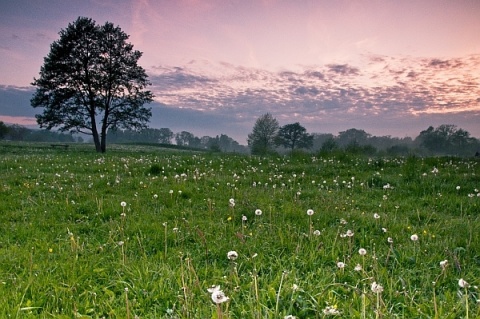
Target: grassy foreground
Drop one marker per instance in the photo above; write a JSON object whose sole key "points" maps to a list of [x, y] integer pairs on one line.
{"points": [[144, 233]]}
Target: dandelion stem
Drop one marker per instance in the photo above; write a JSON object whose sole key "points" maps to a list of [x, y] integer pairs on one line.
{"points": [[278, 294]]}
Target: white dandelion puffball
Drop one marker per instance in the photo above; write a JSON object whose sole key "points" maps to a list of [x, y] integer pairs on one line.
{"points": [[462, 283], [414, 237], [310, 212], [341, 265], [123, 204], [444, 264], [362, 251], [218, 297], [232, 255], [376, 288], [258, 212]]}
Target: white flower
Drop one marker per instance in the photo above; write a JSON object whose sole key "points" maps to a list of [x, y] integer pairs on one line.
{"points": [[358, 267], [213, 288], [218, 296], [310, 212], [258, 212], [414, 237], [330, 311], [376, 216], [244, 218], [341, 265], [295, 287], [349, 233], [462, 283], [289, 317], [376, 288], [390, 240], [232, 255], [444, 264], [316, 232], [457, 188], [123, 204], [362, 251]]}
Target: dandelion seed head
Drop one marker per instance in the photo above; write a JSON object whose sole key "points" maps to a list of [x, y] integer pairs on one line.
{"points": [[376, 288], [219, 297], [232, 255], [462, 283]]}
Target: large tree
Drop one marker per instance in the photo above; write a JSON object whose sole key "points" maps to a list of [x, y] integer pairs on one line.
{"points": [[262, 138], [294, 136], [91, 82]]}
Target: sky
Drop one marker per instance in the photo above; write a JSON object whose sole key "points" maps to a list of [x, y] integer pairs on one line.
{"points": [[391, 68]]}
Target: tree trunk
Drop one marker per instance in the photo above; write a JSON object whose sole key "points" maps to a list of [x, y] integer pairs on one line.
{"points": [[104, 141], [96, 138]]}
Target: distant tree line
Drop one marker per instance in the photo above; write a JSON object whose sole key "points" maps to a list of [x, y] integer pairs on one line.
{"points": [[20, 133], [268, 136], [220, 143]]}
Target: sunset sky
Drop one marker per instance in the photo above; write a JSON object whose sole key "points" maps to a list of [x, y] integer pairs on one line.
{"points": [[387, 67]]}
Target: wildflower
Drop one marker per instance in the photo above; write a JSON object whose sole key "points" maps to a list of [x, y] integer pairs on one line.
{"points": [[295, 287], [310, 212], [289, 317], [376, 216], [218, 296], [316, 232], [155, 196], [414, 237], [376, 288], [444, 264], [457, 188], [244, 218], [329, 310], [231, 202], [462, 283], [358, 267], [232, 255], [258, 212], [362, 251], [349, 233], [123, 204], [341, 265], [390, 240]]}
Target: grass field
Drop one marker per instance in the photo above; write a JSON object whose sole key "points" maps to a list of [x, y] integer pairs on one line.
{"points": [[142, 232]]}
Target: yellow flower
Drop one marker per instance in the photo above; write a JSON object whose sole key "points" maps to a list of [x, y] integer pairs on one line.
{"points": [[50, 250], [229, 218]]}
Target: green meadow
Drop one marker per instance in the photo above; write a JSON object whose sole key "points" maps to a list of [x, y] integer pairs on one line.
{"points": [[144, 232]]}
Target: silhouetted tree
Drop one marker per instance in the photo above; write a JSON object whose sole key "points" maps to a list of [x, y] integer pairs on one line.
{"points": [[447, 139], [294, 136], [352, 135], [262, 138], [92, 74], [166, 136], [3, 130]]}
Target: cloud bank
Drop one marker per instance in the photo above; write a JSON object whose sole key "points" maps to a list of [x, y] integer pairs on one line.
{"points": [[384, 96]]}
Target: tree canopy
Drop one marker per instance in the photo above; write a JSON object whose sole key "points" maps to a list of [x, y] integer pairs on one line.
{"points": [[294, 136], [91, 82], [262, 138]]}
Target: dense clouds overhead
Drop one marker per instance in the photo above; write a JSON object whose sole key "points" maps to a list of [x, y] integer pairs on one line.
{"points": [[216, 66]]}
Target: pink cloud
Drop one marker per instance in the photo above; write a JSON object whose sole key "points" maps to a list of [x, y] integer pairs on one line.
{"points": [[20, 120]]}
